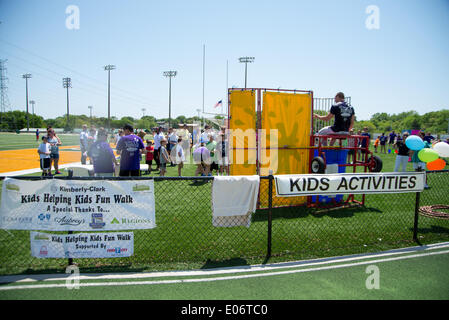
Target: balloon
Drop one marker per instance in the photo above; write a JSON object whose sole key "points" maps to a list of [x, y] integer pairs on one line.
{"points": [[389, 150], [442, 148], [427, 155], [414, 143], [396, 151], [438, 164]]}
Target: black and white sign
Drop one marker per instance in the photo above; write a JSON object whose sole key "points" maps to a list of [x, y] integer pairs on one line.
{"points": [[348, 183]]}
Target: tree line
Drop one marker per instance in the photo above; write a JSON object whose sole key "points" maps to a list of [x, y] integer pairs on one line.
{"points": [[16, 120], [436, 122]]}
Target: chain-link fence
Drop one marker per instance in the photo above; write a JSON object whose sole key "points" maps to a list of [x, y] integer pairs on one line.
{"points": [[187, 234]]}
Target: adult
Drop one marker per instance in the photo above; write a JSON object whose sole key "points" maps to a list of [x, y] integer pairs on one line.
{"points": [[130, 148], [91, 138], [392, 136], [428, 137], [365, 142], [212, 146], [84, 137], [222, 150], [403, 154], [343, 114], [419, 165], [157, 146], [201, 156], [102, 155], [54, 142], [383, 142]]}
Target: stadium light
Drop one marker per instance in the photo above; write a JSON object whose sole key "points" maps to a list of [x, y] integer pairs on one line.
{"points": [[169, 75], [246, 60]]}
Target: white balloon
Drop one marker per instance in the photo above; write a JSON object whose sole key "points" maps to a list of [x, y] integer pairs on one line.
{"points": [[442, 148]]}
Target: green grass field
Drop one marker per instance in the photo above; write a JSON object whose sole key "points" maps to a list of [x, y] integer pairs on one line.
{"points": [[185, 238]]}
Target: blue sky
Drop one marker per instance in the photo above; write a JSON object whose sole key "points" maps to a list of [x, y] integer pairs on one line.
{"points": [[323, 46]]}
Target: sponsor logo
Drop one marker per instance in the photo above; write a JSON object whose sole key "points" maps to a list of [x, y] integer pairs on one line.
{"points": [[141, 187], [12, 187], [41, 236], [97, 221], [115, 221], [44, 218], [17, 219], [69, 221], [43, 251], [117, 250]]}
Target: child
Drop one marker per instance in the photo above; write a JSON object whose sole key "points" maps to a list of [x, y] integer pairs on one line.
{"points": [[44, 154], [180, 158], [164, 157], [149, 151], [376, 144]]}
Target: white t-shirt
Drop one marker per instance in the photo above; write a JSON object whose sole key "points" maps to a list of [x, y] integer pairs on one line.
{"points": [[44, 147], [157, 140], [179, 151], [173, 138]]}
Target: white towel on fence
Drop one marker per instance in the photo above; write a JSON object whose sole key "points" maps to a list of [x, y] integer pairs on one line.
{"points": [[234, 199]]}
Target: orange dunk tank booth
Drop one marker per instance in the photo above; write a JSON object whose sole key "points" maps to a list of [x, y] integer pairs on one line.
{"points": [[270, 132]]}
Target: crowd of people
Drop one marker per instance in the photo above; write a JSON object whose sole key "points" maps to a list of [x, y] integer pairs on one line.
{"points": [[170, 148]]}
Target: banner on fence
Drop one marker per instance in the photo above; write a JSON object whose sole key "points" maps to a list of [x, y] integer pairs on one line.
{"points": [[77, 205], [348, 183], [82, 245]]}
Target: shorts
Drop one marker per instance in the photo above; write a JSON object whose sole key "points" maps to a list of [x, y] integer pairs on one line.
{"points": [[149, 162], [351, 152], [213, 166], [163, 166], [54, 155], [45, 163], [419, 165], [129, 173]]}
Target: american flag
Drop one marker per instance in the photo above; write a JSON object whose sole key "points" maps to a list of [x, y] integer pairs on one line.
{"points": [[218, 103]]}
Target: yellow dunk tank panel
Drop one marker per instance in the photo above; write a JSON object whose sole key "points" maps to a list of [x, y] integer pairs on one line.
{"points": [[283, 141]]}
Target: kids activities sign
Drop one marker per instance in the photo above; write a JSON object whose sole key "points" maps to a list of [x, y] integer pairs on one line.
{"points": [[75, 205], [348, 183], [82, 245]]}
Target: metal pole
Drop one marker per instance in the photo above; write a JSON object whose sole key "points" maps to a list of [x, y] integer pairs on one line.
{"points": [[270, 207], [246, 70], [415, 225], [169, 102], [109, 99], [204, 75], [68, 119], [26, 86]]}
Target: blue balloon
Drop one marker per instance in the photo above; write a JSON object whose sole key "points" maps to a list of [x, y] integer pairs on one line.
{"points": [[414, 143]]}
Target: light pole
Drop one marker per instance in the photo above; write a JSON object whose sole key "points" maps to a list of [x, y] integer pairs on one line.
{"points": [[67, 83], [143, 112], [26, 77], [246, 60], [32, 102], [90, 107], [108, 68], [169, 75]]}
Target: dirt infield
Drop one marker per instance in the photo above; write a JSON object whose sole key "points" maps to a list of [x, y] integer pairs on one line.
{"points": [[23, 159]]}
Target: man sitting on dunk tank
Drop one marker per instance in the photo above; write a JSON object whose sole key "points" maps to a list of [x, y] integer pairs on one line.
{"points": [[344, 119]]}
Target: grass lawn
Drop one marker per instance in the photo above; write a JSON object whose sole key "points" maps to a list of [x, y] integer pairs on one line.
{"points": [[185, 237]]}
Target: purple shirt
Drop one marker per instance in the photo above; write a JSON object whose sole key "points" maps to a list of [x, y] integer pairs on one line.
{"points": [[129, 152], [102, 155]]}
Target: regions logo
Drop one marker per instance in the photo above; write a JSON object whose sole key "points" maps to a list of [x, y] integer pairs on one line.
{"points": [[115, 221], [97, 221]]}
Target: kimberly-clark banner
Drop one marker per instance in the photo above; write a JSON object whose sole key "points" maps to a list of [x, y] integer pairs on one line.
{"points": [[77, 205], [82, 245], [348, 183]]}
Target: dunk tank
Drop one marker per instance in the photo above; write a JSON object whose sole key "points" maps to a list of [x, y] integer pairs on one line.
{"points": [[272, 132]]}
